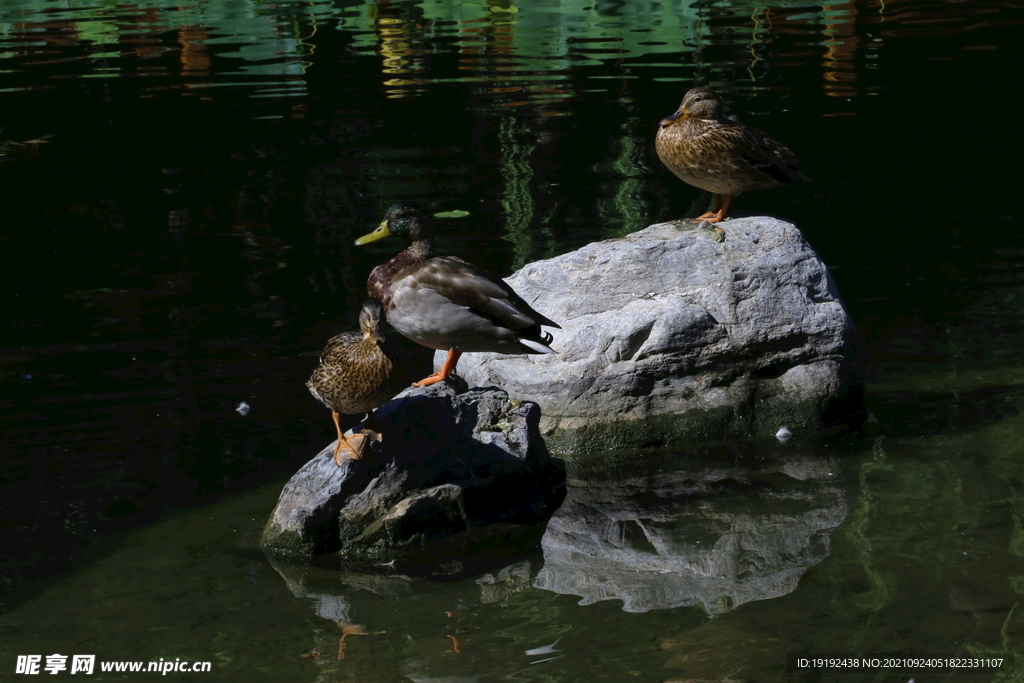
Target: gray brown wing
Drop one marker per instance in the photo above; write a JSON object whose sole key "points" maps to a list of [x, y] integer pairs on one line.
{"points": [[758, 151], [770, 156], [467, 285]]}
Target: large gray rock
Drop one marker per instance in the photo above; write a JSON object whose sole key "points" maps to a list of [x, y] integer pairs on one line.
{"points": [[449, 464], [673, 334]]}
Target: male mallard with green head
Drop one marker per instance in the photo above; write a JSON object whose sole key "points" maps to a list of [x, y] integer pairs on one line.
{"points": [[356, 375], [445, 303], [713, 153]]}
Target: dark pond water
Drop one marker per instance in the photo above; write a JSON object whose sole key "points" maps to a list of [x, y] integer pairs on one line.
{"points": [[182, 185]]}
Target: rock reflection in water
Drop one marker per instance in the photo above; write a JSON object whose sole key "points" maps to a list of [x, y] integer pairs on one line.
{"points": [[699, 532]]}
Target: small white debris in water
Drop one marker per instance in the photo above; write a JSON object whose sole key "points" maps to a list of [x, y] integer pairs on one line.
{"points": [[783, 435], [243, 409], [543, 650]]}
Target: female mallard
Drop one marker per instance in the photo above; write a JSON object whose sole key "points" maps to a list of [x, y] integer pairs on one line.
{"points": [[356, 375], [445, 303], [719, 155]]}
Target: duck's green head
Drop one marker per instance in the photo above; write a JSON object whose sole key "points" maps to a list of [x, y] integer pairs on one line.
{"points": [[403, 219]]}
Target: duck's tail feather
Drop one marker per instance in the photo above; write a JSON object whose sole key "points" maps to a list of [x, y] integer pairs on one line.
{"points": [[539, 347]]}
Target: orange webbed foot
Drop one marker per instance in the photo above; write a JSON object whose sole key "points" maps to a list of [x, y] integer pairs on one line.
{"points": [[355, 446], [450, 362], [722, 203], [432, 379]]}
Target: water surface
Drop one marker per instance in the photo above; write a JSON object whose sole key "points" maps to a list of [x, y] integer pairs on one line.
{"points": [[183, 185]]}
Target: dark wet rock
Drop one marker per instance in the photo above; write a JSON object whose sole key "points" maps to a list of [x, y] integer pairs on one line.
{"points": [[455, 474], [704, 531], [670, 335]]}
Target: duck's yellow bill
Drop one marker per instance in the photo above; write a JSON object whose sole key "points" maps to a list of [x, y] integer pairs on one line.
{"points": [[380, 233]]}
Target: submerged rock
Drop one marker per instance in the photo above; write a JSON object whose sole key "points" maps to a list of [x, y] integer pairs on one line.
{"points": [[449, 463], [672, 334]]}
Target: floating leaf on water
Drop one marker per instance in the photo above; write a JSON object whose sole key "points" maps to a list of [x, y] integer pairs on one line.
{"points": [[458, 213]]}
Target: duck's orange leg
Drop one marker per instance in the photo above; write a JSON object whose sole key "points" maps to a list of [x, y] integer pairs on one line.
{"points": [[355, 444], [441, 375], [718, 215], [722, 209], [342, 443]]}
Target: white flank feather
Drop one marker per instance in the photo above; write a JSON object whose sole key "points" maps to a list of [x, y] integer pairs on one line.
{"points": [[537, 346]]}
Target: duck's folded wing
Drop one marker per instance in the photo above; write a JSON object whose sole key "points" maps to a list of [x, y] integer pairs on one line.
{"points": [[464, 284], [769, 156]]}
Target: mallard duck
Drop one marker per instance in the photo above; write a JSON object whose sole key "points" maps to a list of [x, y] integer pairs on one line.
{"points": [[356, 375], [445, 303], [719, 155]]}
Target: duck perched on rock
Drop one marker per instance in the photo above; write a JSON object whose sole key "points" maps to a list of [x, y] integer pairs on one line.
{"points": [[356, 375], [445, 303], [713, 153]]}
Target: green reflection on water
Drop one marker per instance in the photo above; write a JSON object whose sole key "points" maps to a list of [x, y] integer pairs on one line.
{"points": [[517, 198], [624, 204], [271, 38], [262, 35]]}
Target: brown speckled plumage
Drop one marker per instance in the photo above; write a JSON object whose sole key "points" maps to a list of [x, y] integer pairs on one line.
{"points": [[721, 156], [357, 373], [445, 303]]}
